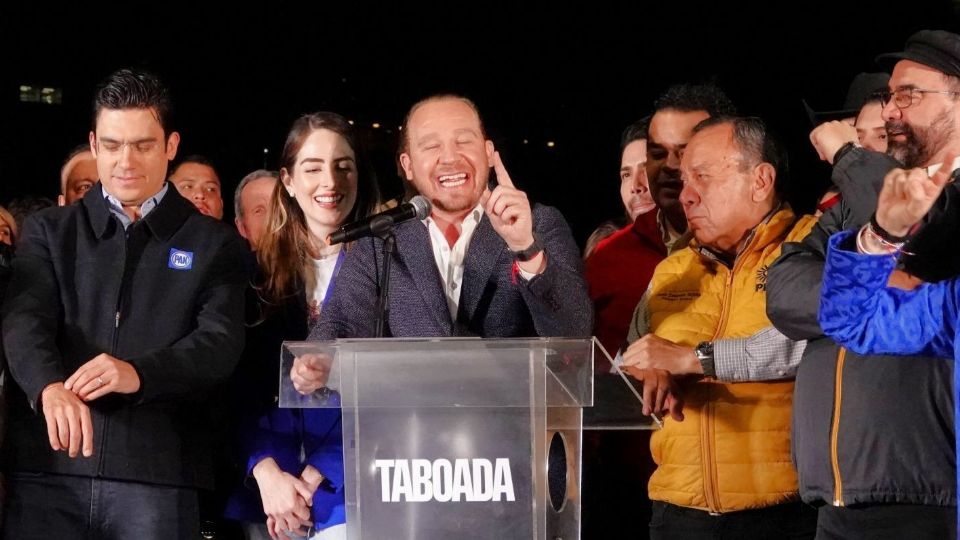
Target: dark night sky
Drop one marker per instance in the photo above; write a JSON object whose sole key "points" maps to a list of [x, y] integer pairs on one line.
{"points": [[575, 75]]}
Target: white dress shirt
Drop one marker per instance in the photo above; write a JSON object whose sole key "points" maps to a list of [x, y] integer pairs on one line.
{"points": [[450, 259]]}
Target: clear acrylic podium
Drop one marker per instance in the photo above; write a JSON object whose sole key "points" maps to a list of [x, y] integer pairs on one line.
{"points": [[456, 438]]}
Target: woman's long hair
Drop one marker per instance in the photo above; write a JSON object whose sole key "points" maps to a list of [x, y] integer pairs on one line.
{"points": [[284, 250]]}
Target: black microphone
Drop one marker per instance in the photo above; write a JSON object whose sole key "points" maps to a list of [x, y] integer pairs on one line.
{"points": [[377, 224]]}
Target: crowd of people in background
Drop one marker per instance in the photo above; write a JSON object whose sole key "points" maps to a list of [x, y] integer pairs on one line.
{"points": [[803, 364]]}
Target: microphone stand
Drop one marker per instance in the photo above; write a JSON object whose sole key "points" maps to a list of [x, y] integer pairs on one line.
{"points": [[384, 231]]}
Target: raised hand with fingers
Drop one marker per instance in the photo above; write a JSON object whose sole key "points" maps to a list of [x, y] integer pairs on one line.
{"points": [[102, 375], [511, 216], [907, 196]]}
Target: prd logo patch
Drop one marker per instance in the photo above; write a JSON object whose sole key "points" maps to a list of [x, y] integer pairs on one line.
{"points": [[180, 260]]}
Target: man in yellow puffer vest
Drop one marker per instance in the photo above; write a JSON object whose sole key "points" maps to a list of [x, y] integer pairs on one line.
{"points": [[725, 470]]}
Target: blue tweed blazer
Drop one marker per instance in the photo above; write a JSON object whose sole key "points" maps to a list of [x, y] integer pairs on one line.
{"points": [[494, 301]]}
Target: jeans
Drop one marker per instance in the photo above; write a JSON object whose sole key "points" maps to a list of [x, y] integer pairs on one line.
{"points": [[43, 506]]}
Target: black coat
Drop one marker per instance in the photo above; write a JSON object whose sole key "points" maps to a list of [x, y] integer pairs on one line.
{"points": [[82, 287]]}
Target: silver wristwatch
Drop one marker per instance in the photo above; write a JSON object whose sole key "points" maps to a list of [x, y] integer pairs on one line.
{"points": [[704, 352]]}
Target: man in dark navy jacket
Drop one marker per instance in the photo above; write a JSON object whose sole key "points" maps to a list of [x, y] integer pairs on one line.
{"points": [[123, 312]]}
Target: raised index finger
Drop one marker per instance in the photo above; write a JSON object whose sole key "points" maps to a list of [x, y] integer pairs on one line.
{"points": [[503, 177], [943, 174]]}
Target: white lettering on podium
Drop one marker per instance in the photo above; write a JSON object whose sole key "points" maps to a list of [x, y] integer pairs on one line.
{"points": [[503, 481], [462, 482], [466, 480], [384, 466], [422, 488], [443, 480], [401, 480]]}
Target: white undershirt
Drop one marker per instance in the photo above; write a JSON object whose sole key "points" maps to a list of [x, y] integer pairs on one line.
{"points": [[317, 291], [450, 261]]}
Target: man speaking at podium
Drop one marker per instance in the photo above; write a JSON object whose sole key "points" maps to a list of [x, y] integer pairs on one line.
{"points": [[484, 262]]}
